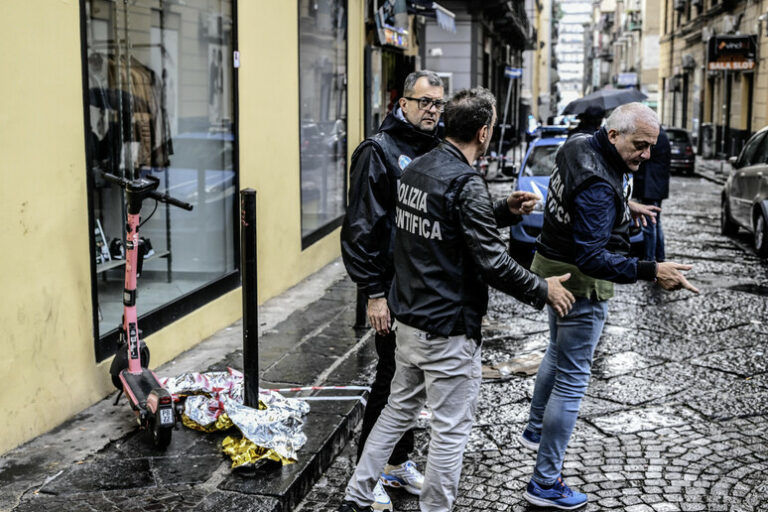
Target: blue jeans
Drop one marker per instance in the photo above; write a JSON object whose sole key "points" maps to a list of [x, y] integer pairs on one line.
{"points": [[653, 236], [562, 381]]}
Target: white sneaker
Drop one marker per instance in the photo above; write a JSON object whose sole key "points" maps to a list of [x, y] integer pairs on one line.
{"points": [[381, 499], [405, 476]]}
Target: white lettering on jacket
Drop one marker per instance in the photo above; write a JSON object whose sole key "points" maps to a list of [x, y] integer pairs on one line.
{"points": [[555, 198], [413, 222]]}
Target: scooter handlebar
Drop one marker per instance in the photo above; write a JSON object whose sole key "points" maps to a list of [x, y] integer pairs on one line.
{"points": [[115, 179], [163, 198]]}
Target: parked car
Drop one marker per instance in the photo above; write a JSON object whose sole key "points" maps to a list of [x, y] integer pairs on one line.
{"points": [[533, 176], [681, 146], [744, 201]]}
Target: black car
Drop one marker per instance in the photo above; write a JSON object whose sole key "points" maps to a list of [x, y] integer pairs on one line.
{"points": [[745, 194], [681, 146]]}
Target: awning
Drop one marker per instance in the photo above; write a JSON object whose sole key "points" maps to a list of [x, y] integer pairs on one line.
{"points": [[445, 18]]}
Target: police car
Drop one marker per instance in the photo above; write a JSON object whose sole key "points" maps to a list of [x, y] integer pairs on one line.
{"points": [[533, 176]]}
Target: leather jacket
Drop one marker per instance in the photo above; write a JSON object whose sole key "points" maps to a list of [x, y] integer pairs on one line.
{"points": [[448, 248]]}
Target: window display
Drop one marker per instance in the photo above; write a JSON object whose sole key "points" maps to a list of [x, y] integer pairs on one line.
{"points": [[160, 103], [323, 115]]}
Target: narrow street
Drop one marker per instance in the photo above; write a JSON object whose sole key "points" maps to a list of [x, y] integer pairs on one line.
{"points": [[675, 415]]}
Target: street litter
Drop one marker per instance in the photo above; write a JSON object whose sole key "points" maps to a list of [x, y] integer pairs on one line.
{"points": [[527, 364], [214, 401]]}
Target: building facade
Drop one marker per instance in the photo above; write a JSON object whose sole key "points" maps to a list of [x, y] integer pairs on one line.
{"points": [[572, 27], [625, 46], [490, 37], [712, 71], [207, 97], [540, 61]]}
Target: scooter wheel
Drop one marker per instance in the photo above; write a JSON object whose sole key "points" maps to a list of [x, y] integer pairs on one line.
{"points": [[161, 436]]}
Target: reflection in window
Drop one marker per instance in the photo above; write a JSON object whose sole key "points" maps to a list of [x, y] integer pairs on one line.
{"points": [[160, 103], [750, 155], [323, 114]]}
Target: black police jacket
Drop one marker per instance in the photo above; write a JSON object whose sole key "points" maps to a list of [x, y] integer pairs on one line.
{"points": [[579, 163], [368, 228], [448, 248], [652, 179]]}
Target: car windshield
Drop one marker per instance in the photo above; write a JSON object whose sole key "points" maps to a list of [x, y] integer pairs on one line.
{"points": [[541, 161], [678, 136]]}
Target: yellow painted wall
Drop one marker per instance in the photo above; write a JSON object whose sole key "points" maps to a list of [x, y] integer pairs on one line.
{"points": [[45, 309], [269, 135], [48, 367]]}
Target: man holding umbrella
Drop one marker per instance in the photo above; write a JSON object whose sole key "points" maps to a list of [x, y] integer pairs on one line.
{"points": [[589, 121]]}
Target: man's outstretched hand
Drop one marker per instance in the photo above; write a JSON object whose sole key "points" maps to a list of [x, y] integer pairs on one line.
{"points": [[558, 297], [669, 277], [641, 211], [522, 203]]}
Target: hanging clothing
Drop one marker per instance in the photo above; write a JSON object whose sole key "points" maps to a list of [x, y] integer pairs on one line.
{"points": [[148, 120]]}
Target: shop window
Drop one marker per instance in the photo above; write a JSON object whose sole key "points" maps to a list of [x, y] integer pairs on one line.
{"points": [[160, 103], [323, 115]]}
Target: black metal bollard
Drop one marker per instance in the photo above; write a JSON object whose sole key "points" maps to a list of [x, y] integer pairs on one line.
{"points": [[248, 277]]}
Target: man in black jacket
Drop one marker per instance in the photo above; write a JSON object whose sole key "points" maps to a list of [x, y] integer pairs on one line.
{"points": [[651, 186], [447, 247], [586, 233], [589, 121], [366, 244]]}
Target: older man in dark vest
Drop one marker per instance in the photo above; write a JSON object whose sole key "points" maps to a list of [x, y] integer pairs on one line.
{"points": [[587, 218]]}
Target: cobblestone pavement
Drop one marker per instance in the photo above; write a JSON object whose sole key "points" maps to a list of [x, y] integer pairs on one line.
{"points": [[675, 415]]}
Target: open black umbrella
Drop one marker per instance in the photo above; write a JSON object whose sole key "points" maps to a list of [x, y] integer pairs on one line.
{"points": [[605, 99]]}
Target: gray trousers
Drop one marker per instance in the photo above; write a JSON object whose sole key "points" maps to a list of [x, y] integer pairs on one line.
{"points": [[446, 373]]}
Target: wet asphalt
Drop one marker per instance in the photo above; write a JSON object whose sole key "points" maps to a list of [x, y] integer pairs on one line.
{"points": [[675, 414]]}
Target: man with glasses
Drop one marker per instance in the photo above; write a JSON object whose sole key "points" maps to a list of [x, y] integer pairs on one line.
{"points": [[586, 233], [366, 246], [447, 250]]}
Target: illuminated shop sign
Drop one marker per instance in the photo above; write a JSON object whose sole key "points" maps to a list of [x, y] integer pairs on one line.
{"points": [[391, 23], [731, 53], [394, 37]]}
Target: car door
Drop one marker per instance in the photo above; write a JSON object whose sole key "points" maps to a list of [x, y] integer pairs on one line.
{"points": [[745, 180], [758, 179]]}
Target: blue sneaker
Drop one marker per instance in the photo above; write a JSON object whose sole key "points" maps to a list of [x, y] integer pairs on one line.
{"points": [[558, 496], [530, 439]]}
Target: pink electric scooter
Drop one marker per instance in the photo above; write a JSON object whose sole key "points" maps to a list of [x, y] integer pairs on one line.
{"points": [[151, 402]]}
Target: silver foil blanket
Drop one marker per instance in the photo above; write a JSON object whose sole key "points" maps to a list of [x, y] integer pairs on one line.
{"points": [[215, 402]]}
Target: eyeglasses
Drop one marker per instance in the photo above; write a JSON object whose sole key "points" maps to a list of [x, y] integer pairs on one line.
{"points": [[426, 103]]}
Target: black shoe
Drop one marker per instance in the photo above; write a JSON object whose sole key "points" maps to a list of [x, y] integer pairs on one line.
{"points": [[148, 251], [351, 506], [116, 249]]}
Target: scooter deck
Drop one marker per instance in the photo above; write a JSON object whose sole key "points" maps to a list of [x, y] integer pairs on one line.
{"points": [[139, 386]]}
